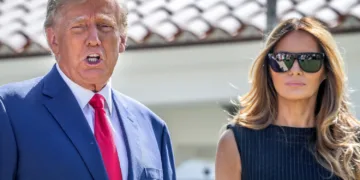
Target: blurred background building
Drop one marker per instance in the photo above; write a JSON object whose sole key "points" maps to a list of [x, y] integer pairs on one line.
{"points": [[186, 59]]}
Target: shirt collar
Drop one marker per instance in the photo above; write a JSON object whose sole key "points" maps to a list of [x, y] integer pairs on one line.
{"points": [[83, 96]]}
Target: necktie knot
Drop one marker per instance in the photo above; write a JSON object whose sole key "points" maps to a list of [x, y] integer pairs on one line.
{"points": [[97, 101]]}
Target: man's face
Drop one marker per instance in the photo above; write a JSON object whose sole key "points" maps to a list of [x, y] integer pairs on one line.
{"points": [[86, 40]]}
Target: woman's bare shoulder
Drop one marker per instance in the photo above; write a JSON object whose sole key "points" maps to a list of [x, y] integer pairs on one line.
{"points": [[228, 165]]}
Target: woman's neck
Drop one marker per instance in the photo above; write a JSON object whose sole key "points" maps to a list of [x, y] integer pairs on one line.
{"points": [[296, 113]]}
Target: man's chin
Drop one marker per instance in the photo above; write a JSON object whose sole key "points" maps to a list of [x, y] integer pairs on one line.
{"points": [[94, 74], [94, 82]]}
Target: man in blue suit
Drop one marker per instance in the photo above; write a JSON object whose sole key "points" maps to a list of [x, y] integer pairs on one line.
{"points": [[70, 124]]}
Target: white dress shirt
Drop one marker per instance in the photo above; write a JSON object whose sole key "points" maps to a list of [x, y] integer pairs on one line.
{"points": [[83, 97]]}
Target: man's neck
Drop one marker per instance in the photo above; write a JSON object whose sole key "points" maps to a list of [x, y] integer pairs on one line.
{"points": [[92, 87]]}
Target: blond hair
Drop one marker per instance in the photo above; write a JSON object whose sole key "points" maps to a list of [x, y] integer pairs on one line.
{"points": [[53, 6], [337, 146]]}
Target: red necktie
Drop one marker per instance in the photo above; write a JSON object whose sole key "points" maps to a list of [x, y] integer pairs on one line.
{"points": [[105, 139]]}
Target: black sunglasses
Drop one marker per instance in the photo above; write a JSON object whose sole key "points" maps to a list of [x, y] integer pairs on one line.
{"points": [[308, 61]]}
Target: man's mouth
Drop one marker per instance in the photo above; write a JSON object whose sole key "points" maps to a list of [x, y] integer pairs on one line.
{"points": [[93, 59]]}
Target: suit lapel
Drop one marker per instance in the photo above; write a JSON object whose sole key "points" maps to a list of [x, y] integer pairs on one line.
{"points": [[130, 131], [65, 109]]}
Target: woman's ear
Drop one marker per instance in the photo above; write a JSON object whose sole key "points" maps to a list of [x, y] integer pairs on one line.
{"points": [[324, 78]]}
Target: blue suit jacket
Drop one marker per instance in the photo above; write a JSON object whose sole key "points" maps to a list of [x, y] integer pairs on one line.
{"points": [[45, 136]]}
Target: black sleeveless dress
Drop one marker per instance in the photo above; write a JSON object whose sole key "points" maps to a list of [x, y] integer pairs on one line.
{"points": [[278, 153]]}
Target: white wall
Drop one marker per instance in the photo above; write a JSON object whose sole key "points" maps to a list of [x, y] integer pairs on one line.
{"points": [[195, 128]]}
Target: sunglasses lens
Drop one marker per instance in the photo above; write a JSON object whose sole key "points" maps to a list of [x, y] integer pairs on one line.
{"points": [[281, 62], [311, 63]]}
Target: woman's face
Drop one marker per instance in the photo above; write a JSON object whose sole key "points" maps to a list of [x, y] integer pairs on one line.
{"points": [[297, 82]]}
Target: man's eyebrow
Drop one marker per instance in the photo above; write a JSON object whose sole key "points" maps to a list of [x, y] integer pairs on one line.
{"points": [[106, 18], [101, 18], [78, 19]]}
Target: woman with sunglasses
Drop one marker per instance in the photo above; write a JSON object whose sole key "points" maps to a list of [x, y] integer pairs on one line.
{"points": [[294, 123]]}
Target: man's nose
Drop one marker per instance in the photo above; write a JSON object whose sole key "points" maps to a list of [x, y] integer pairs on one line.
{"points": [[93, 36]]}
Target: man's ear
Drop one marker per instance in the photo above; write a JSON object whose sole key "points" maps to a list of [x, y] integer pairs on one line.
{"points": [[122, 46], [52, 40]]}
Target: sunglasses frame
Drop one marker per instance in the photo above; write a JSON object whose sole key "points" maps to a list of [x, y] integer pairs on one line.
{"points": [[297, 57]]}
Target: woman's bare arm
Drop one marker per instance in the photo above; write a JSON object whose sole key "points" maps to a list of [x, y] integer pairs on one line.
{"points": [[227, 164]]}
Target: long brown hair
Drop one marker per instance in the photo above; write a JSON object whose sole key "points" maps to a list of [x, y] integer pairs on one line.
{"points": [[337, 145]]}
